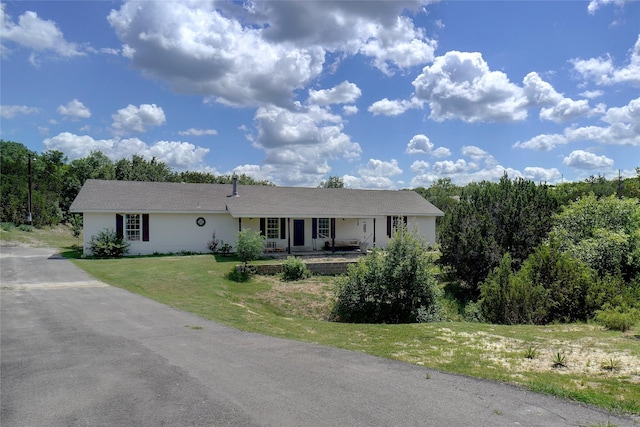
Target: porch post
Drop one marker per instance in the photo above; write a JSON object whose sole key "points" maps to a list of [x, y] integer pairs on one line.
{"points": [[374, 231], [289, 236], [333, 234]]}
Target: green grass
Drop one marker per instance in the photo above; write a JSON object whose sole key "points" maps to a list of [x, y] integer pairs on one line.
{"points": [[295, 310], [59, 237]]}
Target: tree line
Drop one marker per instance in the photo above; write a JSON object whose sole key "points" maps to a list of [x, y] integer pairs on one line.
{"points": [[55, 181]]}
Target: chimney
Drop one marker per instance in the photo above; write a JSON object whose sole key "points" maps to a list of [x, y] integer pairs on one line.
{"points": [[235, 187]]}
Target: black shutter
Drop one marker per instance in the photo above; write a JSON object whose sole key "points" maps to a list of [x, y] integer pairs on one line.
{"points": [[145, 227], [283, 228], [333, 228], [388, 226], [119, 226], [405, 219], [314, 228], [263, 227]]}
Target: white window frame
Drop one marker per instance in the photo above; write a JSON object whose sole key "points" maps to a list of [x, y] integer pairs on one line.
{"points": [[324, 228], [133, 227], [273, 228]]}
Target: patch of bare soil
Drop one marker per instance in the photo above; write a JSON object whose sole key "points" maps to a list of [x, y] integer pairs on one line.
{"points": [[306, 298], [582, 356]]}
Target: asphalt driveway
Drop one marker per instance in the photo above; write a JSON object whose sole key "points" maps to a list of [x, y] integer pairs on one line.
{"points": [[76, 352]]}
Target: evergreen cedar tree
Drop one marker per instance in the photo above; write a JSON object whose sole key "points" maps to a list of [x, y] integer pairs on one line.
{"points": [[489, 220]]}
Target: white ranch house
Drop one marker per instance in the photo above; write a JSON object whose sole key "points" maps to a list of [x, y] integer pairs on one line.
{"points": [[162, 217]]}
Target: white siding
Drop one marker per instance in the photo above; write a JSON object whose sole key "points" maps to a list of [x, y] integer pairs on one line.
{"points": [[93, 223], [171, 233], [426, 226], [168, 233]]}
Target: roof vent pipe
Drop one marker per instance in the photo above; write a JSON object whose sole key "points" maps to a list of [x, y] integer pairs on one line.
{"points": [[235, 187]]}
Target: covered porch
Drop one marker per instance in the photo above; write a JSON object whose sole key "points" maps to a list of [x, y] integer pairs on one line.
{"points": [[321, 236]]}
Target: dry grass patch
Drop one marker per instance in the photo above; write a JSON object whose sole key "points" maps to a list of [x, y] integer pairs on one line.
{"points": [[585, 356], [309, 298], [59, 236]]}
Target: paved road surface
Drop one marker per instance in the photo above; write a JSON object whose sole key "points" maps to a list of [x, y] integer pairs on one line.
{"points": [[75, 352]]}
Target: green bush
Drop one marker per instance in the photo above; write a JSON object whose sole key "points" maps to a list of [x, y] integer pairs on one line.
{"points": [[602, 232], [7, 226], [25, 227], [392, 286], [621, 318], [473, 312], [550, 287], [294, 269], [107, 244], [614, 291], [76, 221], [507, 299], [213, 243], [249, 246], [239, 274], [225, 248]]}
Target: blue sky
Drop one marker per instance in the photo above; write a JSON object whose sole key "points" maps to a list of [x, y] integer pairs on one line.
{"points": [[383, 94]]}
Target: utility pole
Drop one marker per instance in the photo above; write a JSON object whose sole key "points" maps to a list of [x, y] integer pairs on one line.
{"points": [[619, 184], [29, 217]]}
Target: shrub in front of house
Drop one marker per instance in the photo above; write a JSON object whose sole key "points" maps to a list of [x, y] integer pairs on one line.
{"points": [[107, 244], [225, 248], [294, 269], [213, 243], [239, 274], [249, 246], [393, 286]]}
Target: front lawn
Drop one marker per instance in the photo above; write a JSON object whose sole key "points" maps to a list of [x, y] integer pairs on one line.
{"points": [[601, 367]]}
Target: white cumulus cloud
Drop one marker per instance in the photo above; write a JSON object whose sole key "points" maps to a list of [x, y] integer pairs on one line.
{"points": [[565, 110], [35, 33], [420, 166], [344, 93], [538, 174], [179, 155], [375, 174], [441, 152], [75, 110], [544, 142], [137, 119], [255, 53], [419, 144], [394, 107], [448, 167], [349, 110], [206, 52], [602, 71], [198, 132], [581, 159], [10, 111], [623, 128], [596, 4], [298, 144], [460, 85]]}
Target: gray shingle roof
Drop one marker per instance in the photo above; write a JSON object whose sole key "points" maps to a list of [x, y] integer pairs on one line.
{"points": [[252, 201]]}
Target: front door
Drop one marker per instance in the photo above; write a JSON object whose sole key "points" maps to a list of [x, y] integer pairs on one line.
{"points": [[298, 232]]}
